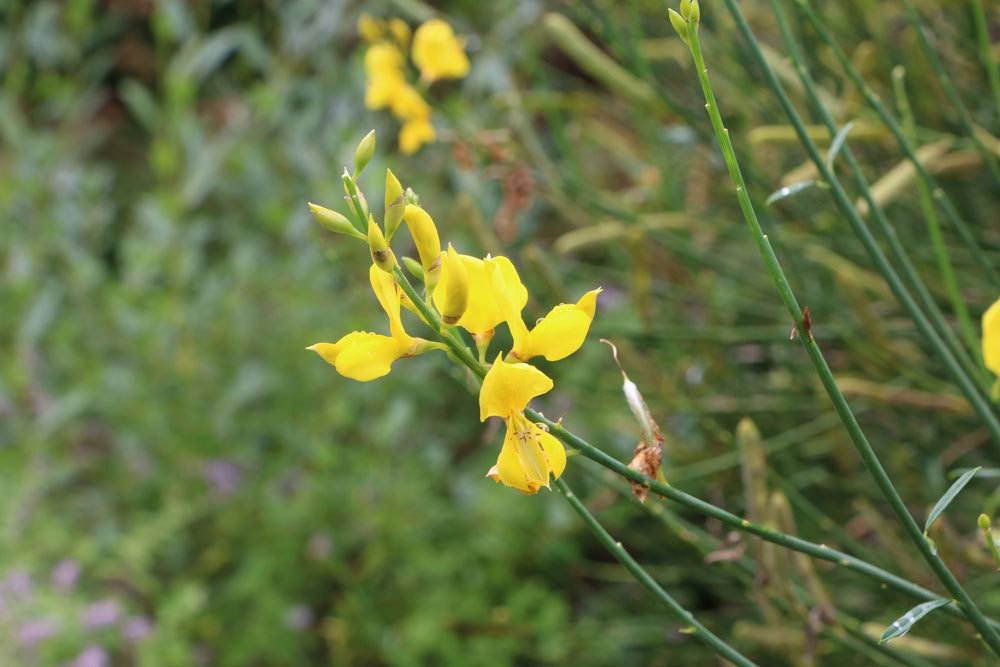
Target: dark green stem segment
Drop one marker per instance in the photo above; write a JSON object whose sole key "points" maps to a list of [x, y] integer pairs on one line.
{"points": [[865, 450], [819, 551], [972, 371], [694, 627], [940, 196]]}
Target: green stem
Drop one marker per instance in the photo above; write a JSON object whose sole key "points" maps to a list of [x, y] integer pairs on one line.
{"points": [[967, 373], [933, 224], [867, 453], [949, 89], [618, 551], [986, 51], [820, 551], [940, 196]]}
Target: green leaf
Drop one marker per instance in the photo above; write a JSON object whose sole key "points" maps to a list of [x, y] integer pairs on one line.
{"points": [[948, 496], [788, 191], [838, 143], [903, 624]]}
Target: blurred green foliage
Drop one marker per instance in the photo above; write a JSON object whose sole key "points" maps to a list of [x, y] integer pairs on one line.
{"points": [[184, 485]]}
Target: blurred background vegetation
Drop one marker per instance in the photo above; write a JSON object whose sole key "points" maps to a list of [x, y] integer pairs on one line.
{"points": [[183, 484]]}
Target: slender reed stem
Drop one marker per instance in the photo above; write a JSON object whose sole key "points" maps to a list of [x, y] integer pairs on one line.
{"points": [[819, 551], [940, 196], [986, 51], [618, 551], [867, 453], [949, 89], [966, 372], [933, 224]]}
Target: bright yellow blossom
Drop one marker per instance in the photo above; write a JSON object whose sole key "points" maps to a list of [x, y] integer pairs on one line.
{"points": [[529, 454], [555, 336], [451, 297], [991, 338], [400, 31], [369, 28], [484, 311], [364, 356], [438, 53], [415, 133]]}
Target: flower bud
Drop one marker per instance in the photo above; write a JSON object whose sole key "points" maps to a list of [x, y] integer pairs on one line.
{"points": [[984, 522], [690, 10], [381, 252], [334, 221], [395, 203], [363, 153], [425, 237], [680, 25], [452, 293], [413, 266]]}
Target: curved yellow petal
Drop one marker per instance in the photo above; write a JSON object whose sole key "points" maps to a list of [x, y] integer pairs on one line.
{"points": [[484, 312], [387, 293], [415, 133], [555, 453], [425, 237], [438, 53], [451, 297], [561, 332], [522, 463], [361, 355], [991, 338], [508, 296], [509, 387]]}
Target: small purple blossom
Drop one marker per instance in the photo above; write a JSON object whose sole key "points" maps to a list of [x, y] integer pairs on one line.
{"points": [[92, 656], [136, 629], [65, 574], [222, 475], [298, 617], [34, 632], [17, 584], [101, 614]]}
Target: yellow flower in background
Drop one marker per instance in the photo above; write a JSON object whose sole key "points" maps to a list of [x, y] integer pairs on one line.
{"points": [[364, 356], [484, 312], [384, 66], [555, 336], [438, 53], [991, 338], [529, 455]]}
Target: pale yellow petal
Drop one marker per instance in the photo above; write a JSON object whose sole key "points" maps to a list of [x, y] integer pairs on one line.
{"points": [[991, 338], [521, 464], [561, 332], [555, 453], [438, 53], [509, 387], [361, 355]]}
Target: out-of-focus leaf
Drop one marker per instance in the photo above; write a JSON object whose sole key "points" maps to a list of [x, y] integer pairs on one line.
{"points": [[903, 624], [788, 191], [838, 143]]}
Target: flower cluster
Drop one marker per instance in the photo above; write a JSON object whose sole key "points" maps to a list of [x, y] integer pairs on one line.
{"points": [[461, 292], [436, 52]]}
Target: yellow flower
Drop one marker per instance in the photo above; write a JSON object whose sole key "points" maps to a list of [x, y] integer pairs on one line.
{"points": [[438, 53], [400, 31], [991, 338], [364, 356], [529, 454], [407, 104], [385, 75], [425, 237], [369, 28], [452, 293], [555, 336], [415, 133], [484, 312]]}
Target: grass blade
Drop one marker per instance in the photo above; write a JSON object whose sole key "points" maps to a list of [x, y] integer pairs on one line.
{"points": [[903, 624], [788, 191], [838, 143], [949, 495]]}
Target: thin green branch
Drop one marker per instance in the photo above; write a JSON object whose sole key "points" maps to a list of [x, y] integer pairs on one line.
{"points": [[966, 372], [949, 89], [986, 51], [865, 450], [694, 626], [940, 196]]}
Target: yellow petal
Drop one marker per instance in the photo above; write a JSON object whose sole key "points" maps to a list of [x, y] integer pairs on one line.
{"points": [[369, 28], [991, 338], [400, 31], [509, 387], [561, 332], [522, 463], [387, 293], [407, 104], [508, 295], [483, 312], [555, 453], [361, 355], [438, 53], [415, 133], [451, 297]]}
